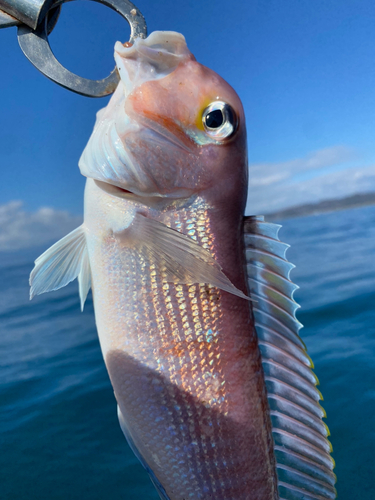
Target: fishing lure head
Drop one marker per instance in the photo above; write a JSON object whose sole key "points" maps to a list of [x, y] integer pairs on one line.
{"points": [[173, 128]]}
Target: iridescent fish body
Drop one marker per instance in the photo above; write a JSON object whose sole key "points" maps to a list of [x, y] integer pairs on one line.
{"points": [[171, 265]]}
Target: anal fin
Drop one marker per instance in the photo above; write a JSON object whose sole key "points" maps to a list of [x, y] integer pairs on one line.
{"points": [[302, 450]]}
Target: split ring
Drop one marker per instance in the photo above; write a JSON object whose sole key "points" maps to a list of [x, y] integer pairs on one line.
{"points": [[35, 46]]}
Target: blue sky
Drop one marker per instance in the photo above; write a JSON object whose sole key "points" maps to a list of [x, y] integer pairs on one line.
{"points": [[304, 70]]}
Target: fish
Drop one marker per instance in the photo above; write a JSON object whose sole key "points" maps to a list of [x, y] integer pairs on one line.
{"points": [[193, 300]]}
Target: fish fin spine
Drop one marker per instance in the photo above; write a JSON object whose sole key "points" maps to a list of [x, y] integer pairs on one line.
{"points": [[302, 450]]}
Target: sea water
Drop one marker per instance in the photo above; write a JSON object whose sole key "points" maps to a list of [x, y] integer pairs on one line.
{"points": [[59, 435]]}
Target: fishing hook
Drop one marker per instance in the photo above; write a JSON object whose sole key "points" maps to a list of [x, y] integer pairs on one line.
{"points": [[36, 19]]}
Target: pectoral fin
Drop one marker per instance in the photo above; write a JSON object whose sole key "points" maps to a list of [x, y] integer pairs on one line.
{"points": [[62, 263], [182, 259]]}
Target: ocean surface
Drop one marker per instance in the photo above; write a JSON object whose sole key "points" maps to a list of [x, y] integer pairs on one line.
{"points": [[59, 435]]}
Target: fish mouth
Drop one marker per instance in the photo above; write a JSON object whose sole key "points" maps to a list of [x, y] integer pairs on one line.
{"points": [[148, 60], [151, 58]]}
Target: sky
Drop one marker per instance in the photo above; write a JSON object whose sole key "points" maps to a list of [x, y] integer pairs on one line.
{"points": [[304, 70]]}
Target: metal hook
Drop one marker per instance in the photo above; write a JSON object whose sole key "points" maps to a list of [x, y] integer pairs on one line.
{"points": [[36, 48]]}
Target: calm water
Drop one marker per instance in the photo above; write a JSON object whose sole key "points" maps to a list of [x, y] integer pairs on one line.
{"points": [[59, 434]]}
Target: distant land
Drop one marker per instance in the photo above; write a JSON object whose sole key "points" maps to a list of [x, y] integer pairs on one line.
{"points": [[354, 201]]}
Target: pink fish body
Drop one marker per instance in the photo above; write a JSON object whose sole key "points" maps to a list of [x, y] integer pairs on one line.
{"points": [[171, 265]]}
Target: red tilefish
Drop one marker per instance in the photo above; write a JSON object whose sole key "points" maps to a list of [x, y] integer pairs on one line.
{"points": [[193, 302]]}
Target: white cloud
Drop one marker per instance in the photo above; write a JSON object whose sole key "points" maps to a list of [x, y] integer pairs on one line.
{"points": [[269, 173], [276, 186], [21, 229], [340, 184]]}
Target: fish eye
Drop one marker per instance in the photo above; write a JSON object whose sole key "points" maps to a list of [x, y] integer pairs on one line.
{"points": [[219, 120]]}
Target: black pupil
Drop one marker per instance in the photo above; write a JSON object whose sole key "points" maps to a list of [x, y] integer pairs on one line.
{"points": [[214, 119]]}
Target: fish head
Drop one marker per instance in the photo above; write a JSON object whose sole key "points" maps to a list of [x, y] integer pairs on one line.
{"points": [[173, 128]]}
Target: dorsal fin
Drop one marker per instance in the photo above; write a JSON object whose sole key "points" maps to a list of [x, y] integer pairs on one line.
{"points": [[302, 450]]}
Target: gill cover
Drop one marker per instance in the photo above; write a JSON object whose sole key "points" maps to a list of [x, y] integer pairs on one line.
{"points": [[109, 156]]}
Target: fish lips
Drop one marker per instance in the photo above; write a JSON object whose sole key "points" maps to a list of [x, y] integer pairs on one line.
{"points": [[150, 59]]}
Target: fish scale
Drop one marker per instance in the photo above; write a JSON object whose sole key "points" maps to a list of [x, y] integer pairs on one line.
{"points": [[177, 346], [215, 391]]}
